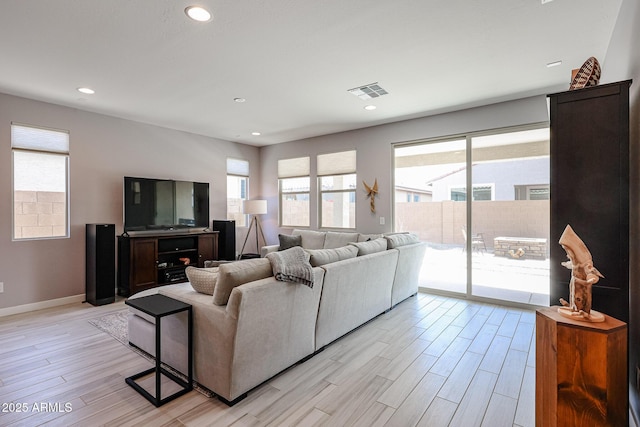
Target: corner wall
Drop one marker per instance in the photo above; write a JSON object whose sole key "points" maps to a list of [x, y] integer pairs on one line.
{"points": [[623, 63], [103, 150]]}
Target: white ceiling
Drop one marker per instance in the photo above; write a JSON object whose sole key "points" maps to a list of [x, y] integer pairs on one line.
{"points": [[293, 60]]}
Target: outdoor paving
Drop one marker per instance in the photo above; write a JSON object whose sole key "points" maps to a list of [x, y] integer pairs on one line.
{"points": [[519, 280]]}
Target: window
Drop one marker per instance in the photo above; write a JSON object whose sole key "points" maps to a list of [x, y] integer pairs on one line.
{"points": [[337, 184], [237, 189], [532, 192], [294, 186], [480, 192], [541, 193], [40, 182]]}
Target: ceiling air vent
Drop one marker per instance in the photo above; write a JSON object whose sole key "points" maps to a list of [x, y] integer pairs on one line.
{"points": [[372, 90]]}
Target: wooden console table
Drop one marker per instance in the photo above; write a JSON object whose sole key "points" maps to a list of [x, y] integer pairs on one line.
{"points": [[581, 371], [146, 261]]}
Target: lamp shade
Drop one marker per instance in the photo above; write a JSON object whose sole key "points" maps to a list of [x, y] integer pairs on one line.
{"points": [[254, 207]]}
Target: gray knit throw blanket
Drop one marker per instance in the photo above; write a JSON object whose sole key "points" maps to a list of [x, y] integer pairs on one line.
{"points": [[292, 265]]}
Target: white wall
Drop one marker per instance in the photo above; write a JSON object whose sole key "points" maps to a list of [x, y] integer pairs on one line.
{"points": [[375, 155], [103, 150]]}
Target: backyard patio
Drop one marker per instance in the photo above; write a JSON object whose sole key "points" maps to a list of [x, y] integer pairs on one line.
{"points": [[519, 280]]}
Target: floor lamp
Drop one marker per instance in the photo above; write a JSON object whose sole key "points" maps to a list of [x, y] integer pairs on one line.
{"points": [[254, 208]]}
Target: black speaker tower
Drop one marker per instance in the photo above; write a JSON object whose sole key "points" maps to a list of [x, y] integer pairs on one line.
{"points": [[101, 263], [226, 239]]}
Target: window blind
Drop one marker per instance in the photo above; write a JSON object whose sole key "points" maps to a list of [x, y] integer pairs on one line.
{"points": [[291, 168], [237, 167], [337, 163], [32, 138]]}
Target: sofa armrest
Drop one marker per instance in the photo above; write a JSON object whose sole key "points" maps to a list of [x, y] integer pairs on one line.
{"points": [[407, 277], [275, 328], [268, 249], [213, 334]]}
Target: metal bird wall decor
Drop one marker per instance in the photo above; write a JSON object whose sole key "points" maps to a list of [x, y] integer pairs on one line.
{"points": [[371, 194]]}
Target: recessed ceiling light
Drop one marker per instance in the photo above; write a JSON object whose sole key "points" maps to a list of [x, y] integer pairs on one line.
{"points": [[256, 133], [370, 107], [198, 13], [239, 100], [554, 64], [86, 90]]}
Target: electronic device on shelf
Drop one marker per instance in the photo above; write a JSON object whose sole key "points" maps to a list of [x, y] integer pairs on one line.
{"points": [[175, 276]]}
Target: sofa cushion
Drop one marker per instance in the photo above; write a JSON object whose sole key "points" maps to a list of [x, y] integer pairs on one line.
{"points": [[287, 241], [397, 240], [202, 280], [335, 239], [325, 256], [367, 237], [237, 273], [310, 239], [371, 246]]}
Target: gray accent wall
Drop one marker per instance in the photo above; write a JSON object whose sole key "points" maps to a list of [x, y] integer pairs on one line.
{"points": [[375, 155]]}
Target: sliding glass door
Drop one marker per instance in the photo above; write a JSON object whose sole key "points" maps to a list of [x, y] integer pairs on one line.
{"points": [[481, 203], [510, 211], [424, 206]]}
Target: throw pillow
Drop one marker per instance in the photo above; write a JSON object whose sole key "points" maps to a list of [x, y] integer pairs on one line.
{"points": [[335, 239], [326, 256], [371, 247], [287, 241], [238, 273], [311, 239], [397, 240], [202, 280]]}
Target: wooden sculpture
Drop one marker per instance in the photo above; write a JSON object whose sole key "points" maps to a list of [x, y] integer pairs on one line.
{"points": [[371, 193], [583, 276]]}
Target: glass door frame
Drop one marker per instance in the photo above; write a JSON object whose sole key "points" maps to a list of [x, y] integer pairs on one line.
{"points": [[468, 136]]}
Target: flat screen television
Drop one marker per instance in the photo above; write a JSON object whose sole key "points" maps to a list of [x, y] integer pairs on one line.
{"points": [[164, 204]]}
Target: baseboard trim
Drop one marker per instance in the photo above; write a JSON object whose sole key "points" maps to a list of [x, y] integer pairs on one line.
{"points": [[25, 308]]}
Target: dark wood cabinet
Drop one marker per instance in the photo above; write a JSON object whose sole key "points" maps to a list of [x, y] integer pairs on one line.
{"points": [[148, 261], [207, 248], [143, 263], [590, 188]]}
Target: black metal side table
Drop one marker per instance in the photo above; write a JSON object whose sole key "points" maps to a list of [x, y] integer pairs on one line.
{"points": [[160, 306]]}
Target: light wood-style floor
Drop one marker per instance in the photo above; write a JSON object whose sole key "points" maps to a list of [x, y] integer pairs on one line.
{"points": [[431, 361]]}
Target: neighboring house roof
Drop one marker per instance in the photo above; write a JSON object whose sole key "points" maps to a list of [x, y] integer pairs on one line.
{"points": [[413, 189], [453, 172]]}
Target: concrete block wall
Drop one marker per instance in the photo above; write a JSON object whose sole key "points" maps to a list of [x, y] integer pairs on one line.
{"points": [[39, 214], [442, 222]]}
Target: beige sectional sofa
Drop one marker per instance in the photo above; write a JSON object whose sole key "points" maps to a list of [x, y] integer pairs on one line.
{"points": [[267, 325]]}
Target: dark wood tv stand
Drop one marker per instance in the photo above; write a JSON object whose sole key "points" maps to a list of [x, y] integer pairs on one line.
{"points": [[150, 260]]}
